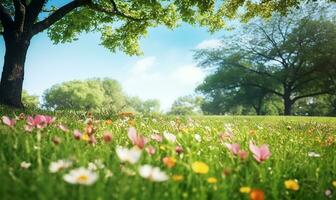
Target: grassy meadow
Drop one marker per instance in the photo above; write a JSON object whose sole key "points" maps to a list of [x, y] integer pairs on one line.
{"points": [[193, 157]]}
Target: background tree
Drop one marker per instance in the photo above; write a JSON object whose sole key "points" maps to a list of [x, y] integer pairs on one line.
{"points": [[187, 105], [135, 104], [29, 101], [121, 24], [86, 95], [291, 57]]}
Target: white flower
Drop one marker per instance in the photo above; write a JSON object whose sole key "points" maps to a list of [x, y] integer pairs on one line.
{"points": [[128, 155], [25, 165], [81, 176], [97, 164], [152, 173], [313, 154], [198, 138], [59, 165], [170, 137]]}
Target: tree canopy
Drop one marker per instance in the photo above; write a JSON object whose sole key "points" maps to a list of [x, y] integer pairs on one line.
{"points": [[291, 57]]}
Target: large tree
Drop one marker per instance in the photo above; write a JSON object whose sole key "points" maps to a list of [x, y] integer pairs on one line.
{"points": [[292, 57], [121, 24]]}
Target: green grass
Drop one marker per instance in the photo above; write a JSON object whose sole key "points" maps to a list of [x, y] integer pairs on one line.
{"points": [[289, 139]]}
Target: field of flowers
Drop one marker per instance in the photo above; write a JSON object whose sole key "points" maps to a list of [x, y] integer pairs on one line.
{"points": [[84, 156]]}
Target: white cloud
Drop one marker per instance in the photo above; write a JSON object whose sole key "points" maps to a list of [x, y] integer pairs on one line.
{"points": [[209, 44], [165, 84], [143, 65]]}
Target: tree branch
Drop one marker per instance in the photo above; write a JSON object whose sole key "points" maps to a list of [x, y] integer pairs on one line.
{"points": [[5, 17], [20, 14], [265, 88], [57, 15], [35, 7], [311, 95]]}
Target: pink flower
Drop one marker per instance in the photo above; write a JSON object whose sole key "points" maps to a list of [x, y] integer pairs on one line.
{"points": [[261, 153], [63, 128], [77, 134], [8, 121], [40, 121], [156, 137], [150, 150], [179, 149], [136, 139], [234, 148], [242, 154]]}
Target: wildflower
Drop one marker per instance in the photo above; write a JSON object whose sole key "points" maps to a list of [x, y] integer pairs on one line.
{"points": [[257, 194], [96, 164], [252, 132], [212, 180], [108, 122], [8, 121], [128, 155], [225, 136], [28, 128], [156, 137], [59, 165], [177, 177], [169, 161], [261, 153], [234, 148], [63, 128], [152, 173], [198, 138], [77, 134], [244, 189], [25, 165], [328, 193], [107, 137], [81, 176], [179, 149], [85, 137], [40, 121], [313, 154], [292, 185], [56, 140], [200, 167], [242, 154], [169, 136], [334, 183], [136, 139], [150, 150]]}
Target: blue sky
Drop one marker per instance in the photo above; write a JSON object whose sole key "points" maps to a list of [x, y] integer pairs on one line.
{"points": [[165, 71]]}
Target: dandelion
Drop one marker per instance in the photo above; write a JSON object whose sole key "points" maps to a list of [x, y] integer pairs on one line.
{"points": [[334, 183], [152, 173], [169, 162], [177, 178], [261, 153], [169, 136], [85, 137], [257, 194], [313, 154], [59, 165], [8, 121], [292, 185], [128, 155], [245, 189], [25, 165], [81, 176], [200, 167], [212, 180]]}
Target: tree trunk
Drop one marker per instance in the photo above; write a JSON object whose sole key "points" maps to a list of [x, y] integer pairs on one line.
{"points": [[288, 106], [13, 69]]}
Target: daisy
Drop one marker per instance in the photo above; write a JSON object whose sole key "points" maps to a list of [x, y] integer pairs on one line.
{"points": [[81, 176], [128, 155], [169, 136], [152, 173], [198, 138], [59, 165]]}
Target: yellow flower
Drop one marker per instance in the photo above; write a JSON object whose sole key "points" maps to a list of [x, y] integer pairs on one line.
{"points": [[85, 137], [334, 183], [292, 185], [200, 167], [162, 148], [245, 189], [212, 180], [177, 177]]}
